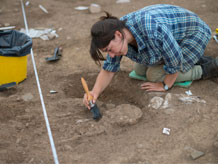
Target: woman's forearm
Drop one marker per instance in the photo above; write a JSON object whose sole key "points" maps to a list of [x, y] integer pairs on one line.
{"points": [[103, 80], [170, 79]]}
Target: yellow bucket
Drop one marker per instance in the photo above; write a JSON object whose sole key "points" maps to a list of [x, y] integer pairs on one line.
{"points": [[12, 69]]}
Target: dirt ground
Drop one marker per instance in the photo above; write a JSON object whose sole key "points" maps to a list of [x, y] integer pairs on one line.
{"points": [[130, 131]]}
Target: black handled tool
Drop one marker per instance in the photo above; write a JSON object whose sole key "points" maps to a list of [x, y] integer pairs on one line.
{"points": [[56, 56]]}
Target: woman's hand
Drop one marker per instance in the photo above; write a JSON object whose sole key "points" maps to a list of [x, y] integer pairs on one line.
{"points": [[151, 86], [158, 86], [86, 101]]}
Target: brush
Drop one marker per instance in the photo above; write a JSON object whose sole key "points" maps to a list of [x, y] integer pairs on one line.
{"points": [[94, 108]]}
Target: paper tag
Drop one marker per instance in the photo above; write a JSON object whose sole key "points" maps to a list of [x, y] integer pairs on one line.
{"points": [[166, 131]]}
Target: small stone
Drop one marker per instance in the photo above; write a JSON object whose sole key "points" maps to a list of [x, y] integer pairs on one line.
{"points": [[216, 141], [169, 111], [156, 102], [94, 8], [214, 110], [122, 1], [188, 148], [139, 146], [6, 24], [81, 8], [81, 121], [27, 125], [110, 106], [215, 144], [16, 10], [27, 110], [60, 29], [17, 3], [27, 97], [196, 154], [18, 140], [168, 97], [51, 36], [31, 160], [99, 103], [53, 91], [68, 147], [27, 3], [19, 126], [43, 9]]}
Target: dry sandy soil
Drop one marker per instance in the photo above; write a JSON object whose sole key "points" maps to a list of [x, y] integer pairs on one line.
{"points": [[130, 131]]}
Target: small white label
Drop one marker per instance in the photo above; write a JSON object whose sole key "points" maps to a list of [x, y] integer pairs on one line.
{"points": [[166, 131]]}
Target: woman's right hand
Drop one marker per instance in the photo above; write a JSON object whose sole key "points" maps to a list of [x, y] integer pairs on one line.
{"points": [[86, 101]]}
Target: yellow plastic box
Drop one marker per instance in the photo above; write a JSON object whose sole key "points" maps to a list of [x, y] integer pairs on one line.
{"points": [[13, 69]]}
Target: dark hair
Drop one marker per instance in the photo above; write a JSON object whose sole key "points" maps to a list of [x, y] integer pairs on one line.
{"points": [[102, 32]]}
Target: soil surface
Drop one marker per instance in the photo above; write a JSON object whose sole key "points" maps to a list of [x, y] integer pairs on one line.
{"points": [[130, 131]]}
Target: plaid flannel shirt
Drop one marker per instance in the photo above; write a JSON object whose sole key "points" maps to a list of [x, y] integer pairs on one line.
{"points": [[164, 34]]}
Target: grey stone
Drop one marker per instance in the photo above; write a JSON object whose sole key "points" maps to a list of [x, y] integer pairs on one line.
{"points": [[196, 154], [124, 114]]}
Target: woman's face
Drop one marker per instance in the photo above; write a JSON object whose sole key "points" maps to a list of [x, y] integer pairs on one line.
{"points": [[117, 47]]}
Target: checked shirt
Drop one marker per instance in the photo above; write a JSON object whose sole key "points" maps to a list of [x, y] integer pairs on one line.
{"points": [[167, 34]]}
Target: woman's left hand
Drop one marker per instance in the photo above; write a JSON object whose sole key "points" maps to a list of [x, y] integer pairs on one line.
{"points": [[151, 86]]}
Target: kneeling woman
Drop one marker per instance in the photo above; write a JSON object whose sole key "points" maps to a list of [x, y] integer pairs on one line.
{"points": [[166, 42]]}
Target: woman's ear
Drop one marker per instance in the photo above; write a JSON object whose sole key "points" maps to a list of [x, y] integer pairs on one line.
{"points": [[119, 34]]}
